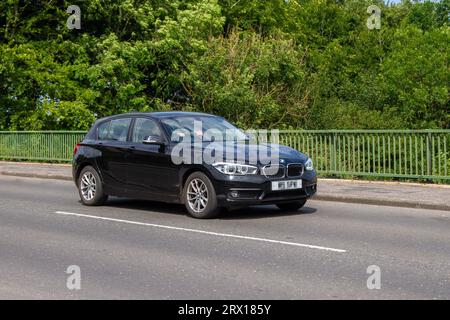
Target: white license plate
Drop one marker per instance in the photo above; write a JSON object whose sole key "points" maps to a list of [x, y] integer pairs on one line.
{"points": [[286, 185]]}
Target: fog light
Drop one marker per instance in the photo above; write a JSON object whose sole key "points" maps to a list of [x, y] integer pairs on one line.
{"points": [[234, 194]]}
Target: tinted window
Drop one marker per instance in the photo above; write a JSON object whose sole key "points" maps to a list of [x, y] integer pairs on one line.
{"points": [[118, 130], [189, 123], [143, 128], [103, 130], [114, 130]]}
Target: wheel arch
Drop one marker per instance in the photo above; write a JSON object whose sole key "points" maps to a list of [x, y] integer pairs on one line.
{"points": [[185, 175], [83, 165]]}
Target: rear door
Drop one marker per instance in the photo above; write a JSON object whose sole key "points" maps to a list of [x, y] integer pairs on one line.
{"points": [[151, 171], [113, 144]]}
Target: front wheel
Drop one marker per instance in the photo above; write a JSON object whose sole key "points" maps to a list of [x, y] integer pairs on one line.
{"points": [[199, 197], [90, 187], [291, 206]]}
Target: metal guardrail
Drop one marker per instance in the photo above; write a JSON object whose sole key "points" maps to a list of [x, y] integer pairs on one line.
{"points": [[39, 145], [411, 154]]}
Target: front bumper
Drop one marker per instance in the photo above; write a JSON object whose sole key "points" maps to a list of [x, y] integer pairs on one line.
{"points": [[256, 189]]}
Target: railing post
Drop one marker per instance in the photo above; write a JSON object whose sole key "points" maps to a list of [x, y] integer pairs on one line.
{"points": [[429, 157], [333, 153]]}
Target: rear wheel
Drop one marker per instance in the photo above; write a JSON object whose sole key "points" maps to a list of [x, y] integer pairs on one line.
{"points": [[199, 197], [90, 187], [291, 206]]}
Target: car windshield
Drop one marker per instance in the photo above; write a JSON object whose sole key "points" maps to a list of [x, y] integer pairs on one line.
{"points": [[203, 127]]}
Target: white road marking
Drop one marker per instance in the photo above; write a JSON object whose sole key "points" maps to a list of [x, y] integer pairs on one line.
{"points": [[202, 232]]}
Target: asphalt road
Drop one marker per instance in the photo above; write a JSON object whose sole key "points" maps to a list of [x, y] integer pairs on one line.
{"points": [[146, 250]]}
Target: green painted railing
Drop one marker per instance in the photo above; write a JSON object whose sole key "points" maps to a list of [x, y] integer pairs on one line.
{"points": [[39, 145], [411, 154]]}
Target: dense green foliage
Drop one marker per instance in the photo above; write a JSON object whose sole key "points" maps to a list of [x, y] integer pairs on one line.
{"points": [[288, 64]]}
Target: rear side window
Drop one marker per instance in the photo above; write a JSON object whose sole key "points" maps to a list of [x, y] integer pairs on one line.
{"points": [[145, 127], [118, 130], [103, 130], [114, 130]]}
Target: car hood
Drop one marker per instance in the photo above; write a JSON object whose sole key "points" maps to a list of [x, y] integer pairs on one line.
{"points": [[263, 152]]}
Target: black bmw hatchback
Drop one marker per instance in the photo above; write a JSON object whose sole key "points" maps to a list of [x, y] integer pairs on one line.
{"points": [[197, 159]]}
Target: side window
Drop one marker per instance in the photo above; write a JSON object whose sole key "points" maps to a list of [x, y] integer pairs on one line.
{"points": [[145, 127], [103, 130], [118, 131]]}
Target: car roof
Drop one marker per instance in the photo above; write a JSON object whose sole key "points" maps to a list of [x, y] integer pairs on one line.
{"points": [[160, 114]]}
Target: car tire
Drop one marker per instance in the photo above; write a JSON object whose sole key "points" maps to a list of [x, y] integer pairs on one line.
{"points": [[90, 187], [291, 206], [199, 197]]}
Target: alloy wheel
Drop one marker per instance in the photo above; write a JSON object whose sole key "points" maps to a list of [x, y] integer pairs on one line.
{"points": [[88, 186], [197, 195]]}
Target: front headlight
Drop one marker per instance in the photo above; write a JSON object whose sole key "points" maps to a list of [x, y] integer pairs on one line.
{"points": [[235, 168], [309, 164]]}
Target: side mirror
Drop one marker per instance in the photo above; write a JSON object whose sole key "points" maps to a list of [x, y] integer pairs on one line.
{"points": [[153, 140]]}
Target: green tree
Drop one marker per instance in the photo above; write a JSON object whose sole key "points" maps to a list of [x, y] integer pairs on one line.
{"points": [[287, 64]]}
